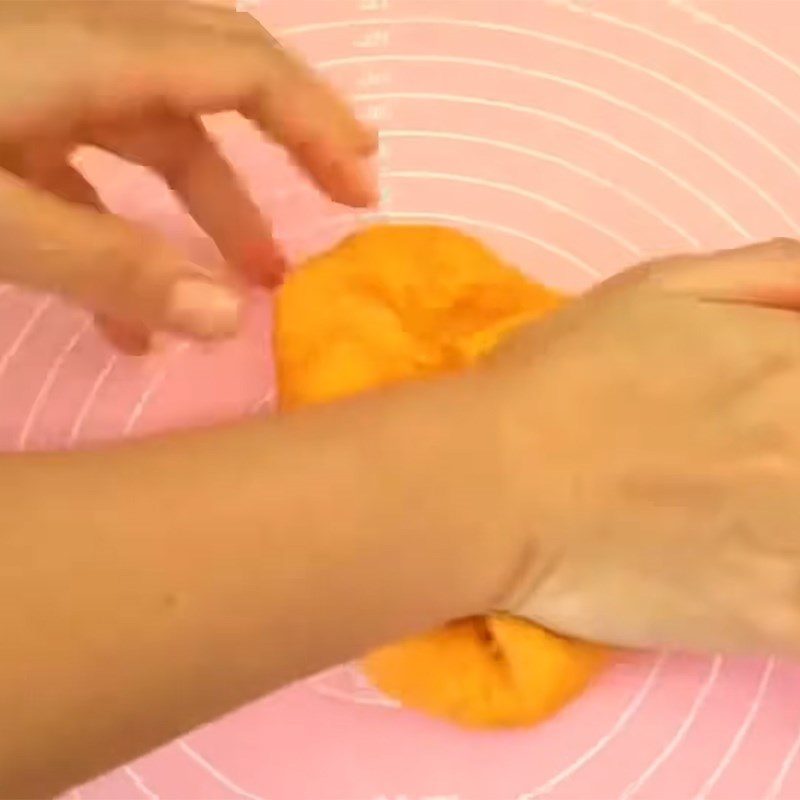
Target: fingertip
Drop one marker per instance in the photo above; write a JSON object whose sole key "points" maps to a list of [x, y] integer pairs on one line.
{"points": [[352, 181], [276, 277], [365, 177], [263, 263], [132, 340], [345, 177], [368, 140]]}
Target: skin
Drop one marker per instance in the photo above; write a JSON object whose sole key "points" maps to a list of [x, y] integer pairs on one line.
{"points": [[666, 506], [135, 606], [148, 587], [133, 78]]}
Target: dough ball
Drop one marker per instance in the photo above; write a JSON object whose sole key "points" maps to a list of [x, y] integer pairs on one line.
{"points": [[395, 303]]}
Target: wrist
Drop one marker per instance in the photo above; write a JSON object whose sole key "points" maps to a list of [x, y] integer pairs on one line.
{"points": [[525, 483], [471, 479]]}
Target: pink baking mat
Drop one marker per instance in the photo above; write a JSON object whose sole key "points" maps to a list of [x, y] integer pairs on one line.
{"points": [[576, 138]]}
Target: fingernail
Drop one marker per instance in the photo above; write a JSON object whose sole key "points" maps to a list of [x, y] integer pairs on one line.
{"points": [[274, 280], [203, 309], [277, 270], [363, 179], [263, 263], [349, 180], [369, 140]]}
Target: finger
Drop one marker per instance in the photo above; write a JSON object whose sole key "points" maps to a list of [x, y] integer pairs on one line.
{"points": [[65, 181], [183, 153], [346, 129], [108, 265], [206, 59], [131, 339], [52, 172], [45, 163]]}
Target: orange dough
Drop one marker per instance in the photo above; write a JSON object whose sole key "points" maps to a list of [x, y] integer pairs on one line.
{"points": [[393, 303], [487, 672]]}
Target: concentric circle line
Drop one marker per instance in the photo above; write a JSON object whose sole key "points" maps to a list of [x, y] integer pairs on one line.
{"points": [[705, 16], [375, 697], [776, 786], [626, 715], [263, 402], [568, 123], [401, 133], [599, 93], [697, 54], [375, 700], [632, 65], [358, 677], [680, 734], [91, 395], [741, 733], [513, 189], [152, 387], [220, 777], [23, 334], [139, 783], [49, 380]]}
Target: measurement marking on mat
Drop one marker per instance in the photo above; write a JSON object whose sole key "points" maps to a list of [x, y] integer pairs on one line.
{"points": [[376, 112], [374, 5], [371, 40], [372, 78]]}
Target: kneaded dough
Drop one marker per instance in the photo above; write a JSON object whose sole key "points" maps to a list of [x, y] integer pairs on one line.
{"points": [[392, 303]]}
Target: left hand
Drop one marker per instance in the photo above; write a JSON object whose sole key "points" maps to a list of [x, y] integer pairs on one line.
{"points": [[133, 78]]}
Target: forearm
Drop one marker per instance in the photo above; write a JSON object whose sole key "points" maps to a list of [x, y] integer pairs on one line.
{"points": [[150, 587]]}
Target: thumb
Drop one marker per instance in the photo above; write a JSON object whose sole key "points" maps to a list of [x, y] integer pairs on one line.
{"points": [[108, 265]]}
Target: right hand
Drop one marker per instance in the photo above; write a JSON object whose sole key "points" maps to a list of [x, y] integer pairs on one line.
{"points": [[133, 78], [652, 434]]}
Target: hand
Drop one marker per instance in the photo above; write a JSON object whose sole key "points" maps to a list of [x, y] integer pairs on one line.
{"points": [[654, 455], [133, 78]]}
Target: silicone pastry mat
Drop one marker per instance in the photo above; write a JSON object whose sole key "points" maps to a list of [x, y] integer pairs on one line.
{"points": [[575, 138]]}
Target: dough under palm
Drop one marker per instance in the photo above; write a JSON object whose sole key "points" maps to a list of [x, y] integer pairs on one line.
{"points": [[394, 303]]}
